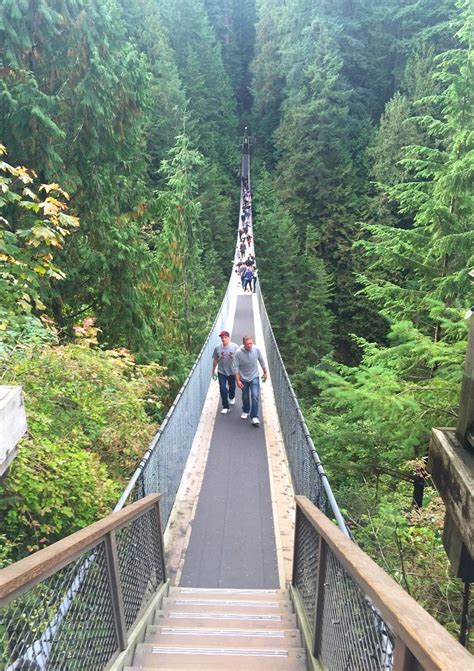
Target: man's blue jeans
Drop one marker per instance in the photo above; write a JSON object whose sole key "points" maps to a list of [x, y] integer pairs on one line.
{"points": [[251, 389], [225, 380]]}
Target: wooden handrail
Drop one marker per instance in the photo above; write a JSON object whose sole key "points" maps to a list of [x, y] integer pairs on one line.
{"points": [[433, 647], [28, 571]]}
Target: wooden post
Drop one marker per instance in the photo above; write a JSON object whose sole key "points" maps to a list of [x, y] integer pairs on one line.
{"points": [[320, 593], [403, 660], [466, 403], [160, 536], [113, 570]]}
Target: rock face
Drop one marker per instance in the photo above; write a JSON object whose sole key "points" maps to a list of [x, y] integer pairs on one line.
{"points": [[12, 424]]}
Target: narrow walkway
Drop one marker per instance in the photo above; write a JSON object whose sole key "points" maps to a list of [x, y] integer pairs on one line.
{"points": [[232, 542]]}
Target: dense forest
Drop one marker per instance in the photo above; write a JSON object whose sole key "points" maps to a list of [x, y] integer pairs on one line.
{"points": [[119, 183]]}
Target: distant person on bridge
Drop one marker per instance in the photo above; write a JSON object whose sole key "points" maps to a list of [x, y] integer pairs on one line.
{"points": [[223, 359], [247, 278], [245, 367], [255, 278]]}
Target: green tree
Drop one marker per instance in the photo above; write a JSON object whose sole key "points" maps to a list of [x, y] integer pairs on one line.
{"points": [[234, 24], [183, 295], [206, 84], [146, 29], [418, 279], [302, 325], [268, 78], [76, 106]]}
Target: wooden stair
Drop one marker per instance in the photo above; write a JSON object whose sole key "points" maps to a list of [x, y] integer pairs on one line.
{"points": [[225, 629]]}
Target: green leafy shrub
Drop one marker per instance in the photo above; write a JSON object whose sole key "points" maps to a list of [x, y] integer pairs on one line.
{"points": [[89, 424]]}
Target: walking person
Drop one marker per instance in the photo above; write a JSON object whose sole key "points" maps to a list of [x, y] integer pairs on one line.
{"points": [[255, 278], [245, 367], [242, 270], [247, 280], [223, 359]]}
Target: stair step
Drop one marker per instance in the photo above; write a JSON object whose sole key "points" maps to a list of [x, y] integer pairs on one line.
{"points": [[229, 637], [185, 657], [225, 620], [229, 594], [230, 606]]}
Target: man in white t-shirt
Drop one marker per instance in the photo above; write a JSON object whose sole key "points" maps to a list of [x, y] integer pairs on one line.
{"points": [[223, 360]]}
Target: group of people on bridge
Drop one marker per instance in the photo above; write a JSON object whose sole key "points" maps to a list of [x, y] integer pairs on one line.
{"points": [[238, 366], [245, 265]]}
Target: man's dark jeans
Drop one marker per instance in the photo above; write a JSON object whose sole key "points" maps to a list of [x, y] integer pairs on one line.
{"points": [[251, 388], [225, 380]]}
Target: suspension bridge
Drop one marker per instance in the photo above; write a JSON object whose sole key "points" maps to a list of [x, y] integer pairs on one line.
{"points": [[227, 550]]}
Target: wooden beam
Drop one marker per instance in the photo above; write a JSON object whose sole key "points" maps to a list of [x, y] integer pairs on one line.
{"points": [[452, 469], [426, 639], [466, 401], [16, 578]]}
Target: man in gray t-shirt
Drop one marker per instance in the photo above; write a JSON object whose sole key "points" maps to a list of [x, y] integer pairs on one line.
{"points": [[246, 362], [223, 359]]}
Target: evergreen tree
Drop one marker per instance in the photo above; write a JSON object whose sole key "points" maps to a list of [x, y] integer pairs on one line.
{"points": [[267, 76], [76, 107], [184, 297], [145, 28], [314, 132], [277, 252], [295, 284], [207, 88], [234, 24], [418, 278], [315, 319]]}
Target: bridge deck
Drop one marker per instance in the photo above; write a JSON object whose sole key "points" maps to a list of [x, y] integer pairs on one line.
{"points": [[232, 542]]}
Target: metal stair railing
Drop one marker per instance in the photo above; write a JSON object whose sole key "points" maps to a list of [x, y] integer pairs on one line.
{"points": [[356, 617], [72, 605]]}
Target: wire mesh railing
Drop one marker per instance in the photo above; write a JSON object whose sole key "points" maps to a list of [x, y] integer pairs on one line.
{"points": [[357, 617], [76, 609], [162, 465], [29, 637], [308, 474], [353, 635], [347, 631]]}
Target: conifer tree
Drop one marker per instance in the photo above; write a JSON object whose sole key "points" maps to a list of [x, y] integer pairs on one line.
{"points": [[295, 284], [207, 88], [184, 298], [146, 29], [268, 78], [314, 132], [234, 25], [418, 277], [77, 110]]}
